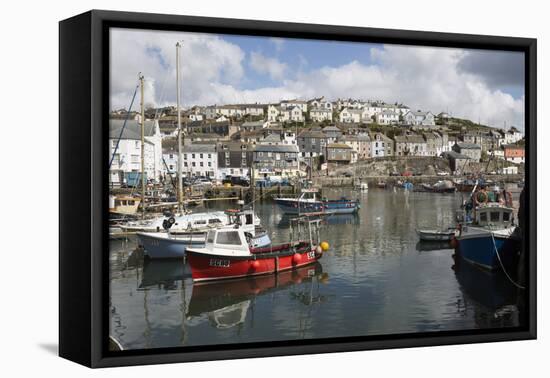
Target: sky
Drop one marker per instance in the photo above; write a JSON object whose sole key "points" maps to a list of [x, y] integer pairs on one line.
{"points": [[481, 85]]}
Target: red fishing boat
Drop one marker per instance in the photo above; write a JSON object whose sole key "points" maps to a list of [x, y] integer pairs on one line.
{"points": [[228, 253]]}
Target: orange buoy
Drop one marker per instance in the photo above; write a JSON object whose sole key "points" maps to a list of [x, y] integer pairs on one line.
{"points": [[255, 264], [296, 258]]}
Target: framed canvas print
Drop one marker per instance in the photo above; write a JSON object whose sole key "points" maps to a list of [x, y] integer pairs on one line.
{"points": [[235, 188]]}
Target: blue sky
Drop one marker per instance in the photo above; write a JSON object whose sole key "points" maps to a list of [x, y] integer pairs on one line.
{"points": [[217, 69]]}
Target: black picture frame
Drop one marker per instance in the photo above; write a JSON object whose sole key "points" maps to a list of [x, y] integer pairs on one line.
{"points": [[83, 114]]}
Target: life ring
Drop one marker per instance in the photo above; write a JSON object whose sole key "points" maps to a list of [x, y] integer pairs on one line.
{"points": [[479, 194]]}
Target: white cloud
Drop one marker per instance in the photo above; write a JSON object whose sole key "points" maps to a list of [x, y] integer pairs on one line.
{"points": [[278, 43], [270, 66], [421, 77]]}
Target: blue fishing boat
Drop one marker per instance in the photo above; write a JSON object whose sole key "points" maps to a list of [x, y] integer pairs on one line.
{"points": [[489, 240], [309, 201]]}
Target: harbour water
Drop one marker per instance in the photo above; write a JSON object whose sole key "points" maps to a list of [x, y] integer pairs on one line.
{"points": [[376, 279]]}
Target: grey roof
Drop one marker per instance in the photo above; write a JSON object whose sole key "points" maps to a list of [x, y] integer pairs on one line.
{"points": [[132, 129], [253, 124], [455, 155], [271, 138], [199, 147], [312, 134], [276, 148], [469, 146], [331, 128]]}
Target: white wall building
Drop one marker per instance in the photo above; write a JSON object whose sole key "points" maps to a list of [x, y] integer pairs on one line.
{"points": [[320, 114], [387, 117], [127, 157], [200, 160]]}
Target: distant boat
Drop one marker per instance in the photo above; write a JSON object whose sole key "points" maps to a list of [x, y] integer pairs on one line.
{"points": [[228, 254], [361, 185], [442, 186], [123, 205], [436, 235], [309, 201], [381, 184]]}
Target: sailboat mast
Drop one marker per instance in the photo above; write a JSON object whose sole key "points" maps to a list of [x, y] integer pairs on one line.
{"points": [[142, 147], [180, 162]]}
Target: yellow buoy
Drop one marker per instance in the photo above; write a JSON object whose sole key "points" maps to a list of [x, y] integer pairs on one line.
{"points": [[325, 246]]}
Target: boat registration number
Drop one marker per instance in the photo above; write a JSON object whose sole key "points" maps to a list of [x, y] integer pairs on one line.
{"points": [[310, 255], [219, 263]]}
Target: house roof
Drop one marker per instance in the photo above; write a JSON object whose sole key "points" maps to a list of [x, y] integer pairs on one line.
{"points": [[331, 128], [276, 148], [339, 145], [132, 130], [469, 146], [199, 147], [312, 134], [253, 124], [456, 155]]}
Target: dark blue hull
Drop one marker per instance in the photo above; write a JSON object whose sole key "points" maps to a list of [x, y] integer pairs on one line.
{"points": [[480, 250], [295, 206]]}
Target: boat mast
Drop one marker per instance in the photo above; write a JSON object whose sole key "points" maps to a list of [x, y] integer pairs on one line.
{"points": [[142, 148], [180, 183]]}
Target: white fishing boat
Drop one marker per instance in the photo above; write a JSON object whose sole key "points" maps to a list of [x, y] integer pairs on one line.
{"points": [[173, 242], [437, 235]]}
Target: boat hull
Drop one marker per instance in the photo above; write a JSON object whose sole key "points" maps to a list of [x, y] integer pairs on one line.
{"points": [[435, 236], [209, 267], [480, 250], [328, 207], [161, 246], [158, 246]]}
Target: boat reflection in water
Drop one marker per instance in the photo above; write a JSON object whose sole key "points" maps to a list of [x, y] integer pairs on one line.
{"points": [[326, 219], [436, 245], [226, 304], [490, 291], [163, 273]]}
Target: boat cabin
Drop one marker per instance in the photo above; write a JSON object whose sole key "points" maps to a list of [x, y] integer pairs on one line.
{"points": [[123, 204], [227, 241], [309, 195], [494, 216]]}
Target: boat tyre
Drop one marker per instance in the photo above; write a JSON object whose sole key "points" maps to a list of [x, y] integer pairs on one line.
{"points": [[171, 220]]}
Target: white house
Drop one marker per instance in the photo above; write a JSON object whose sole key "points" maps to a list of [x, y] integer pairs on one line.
{"points": [[419, 118], [288, 104], [196, 117], [512, 136], [125, 149], [350, 115], [320, 114], [200, 160], [387, 117], [254, 110], [273, 113]]}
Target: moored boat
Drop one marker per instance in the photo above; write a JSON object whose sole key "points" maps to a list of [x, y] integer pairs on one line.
{"points": [[229, 254], [174, 243], [309, 201], [490, 240], [437, 235]]}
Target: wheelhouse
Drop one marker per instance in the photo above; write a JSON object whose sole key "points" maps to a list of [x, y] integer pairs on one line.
{"points": [[493, 216]]}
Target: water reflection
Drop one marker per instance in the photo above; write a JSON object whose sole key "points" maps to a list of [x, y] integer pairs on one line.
{"points": [[376, 279]]}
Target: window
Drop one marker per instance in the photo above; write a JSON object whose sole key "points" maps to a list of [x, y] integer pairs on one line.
{"points": [[193, 164], [483, 217], [185, 156], [209, 156], [249, 219], [171, 156], [230, 237], [213, 221], [185, 164], [227, 162], [193, 156], [243, 155], [209, 163], [200, 222], [200, 155], [506, 217], [201, 164], [495, 216]]}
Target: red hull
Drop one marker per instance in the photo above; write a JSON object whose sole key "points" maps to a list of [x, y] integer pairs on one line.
{"points": [[206, 267]]}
